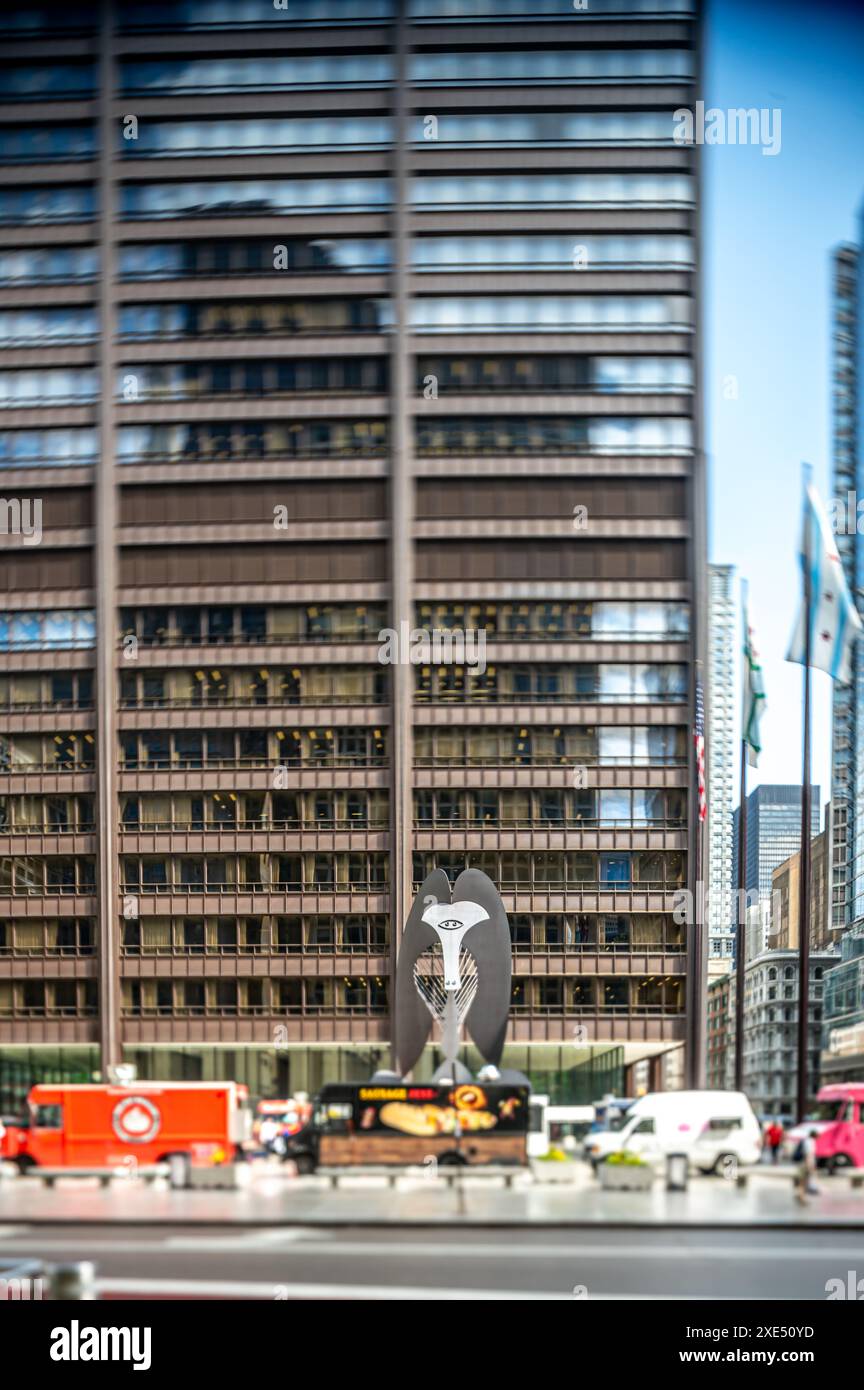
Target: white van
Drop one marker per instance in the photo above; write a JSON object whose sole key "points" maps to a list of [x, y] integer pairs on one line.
{"points": [[557, 1126], [711, 1127]]}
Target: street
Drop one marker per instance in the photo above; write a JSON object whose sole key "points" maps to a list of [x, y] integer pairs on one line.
{"points": [[388, 1264]]}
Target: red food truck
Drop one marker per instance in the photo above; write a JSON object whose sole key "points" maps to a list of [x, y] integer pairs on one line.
{"points": [[100, 1126]]}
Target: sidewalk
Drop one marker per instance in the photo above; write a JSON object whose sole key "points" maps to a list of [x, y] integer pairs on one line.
{"points": [[276, 1200]]}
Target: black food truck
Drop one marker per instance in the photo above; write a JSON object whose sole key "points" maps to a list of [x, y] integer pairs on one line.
{"points": [[404, 1123]]}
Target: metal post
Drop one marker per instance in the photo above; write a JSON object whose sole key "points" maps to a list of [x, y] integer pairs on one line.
{"points": [[804, 875], [741, 935], [105, 573]]}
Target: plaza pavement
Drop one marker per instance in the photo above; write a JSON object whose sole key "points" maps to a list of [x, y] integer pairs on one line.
{"points": [[271, 1197]]}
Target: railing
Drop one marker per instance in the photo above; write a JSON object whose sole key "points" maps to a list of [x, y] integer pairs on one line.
{"points": [[521, 886], [252, 701], [548, 823], [263, 825], [270, 948], [86, 828], [549, 697], [173, 638], [569, 760], [240, 764], [278, 886]]}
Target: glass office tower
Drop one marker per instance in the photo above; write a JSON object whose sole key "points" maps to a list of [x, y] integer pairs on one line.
{"points": [[320, 319]]}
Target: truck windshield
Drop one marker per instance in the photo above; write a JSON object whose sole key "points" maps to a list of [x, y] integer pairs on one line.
{"points": [[826, 1110]]}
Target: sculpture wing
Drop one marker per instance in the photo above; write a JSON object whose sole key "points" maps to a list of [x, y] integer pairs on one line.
{"points": [[412, 1020], [489, 944]]}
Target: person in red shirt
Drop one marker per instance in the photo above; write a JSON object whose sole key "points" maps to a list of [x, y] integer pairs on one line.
{"points": [[774, 1138]]}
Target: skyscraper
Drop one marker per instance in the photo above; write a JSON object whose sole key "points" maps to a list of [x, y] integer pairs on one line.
{"points": [[721, 756], [848, 700], [773, 834], [324, 323]]}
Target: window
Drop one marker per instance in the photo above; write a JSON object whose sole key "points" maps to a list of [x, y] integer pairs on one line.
{"points": [[47, 1116]]}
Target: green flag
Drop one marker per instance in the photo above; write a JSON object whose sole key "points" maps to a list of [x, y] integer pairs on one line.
{"points": [[754, 689]]}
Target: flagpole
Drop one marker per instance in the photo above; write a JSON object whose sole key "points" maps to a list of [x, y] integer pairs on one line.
{"points": [[804, 873], [740, 935]]}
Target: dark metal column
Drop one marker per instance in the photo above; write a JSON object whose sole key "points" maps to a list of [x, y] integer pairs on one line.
{"points": [[697, 945], [105, 570], [401, 516]]}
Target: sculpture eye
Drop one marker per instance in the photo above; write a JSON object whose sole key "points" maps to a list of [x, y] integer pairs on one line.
{"points": [[450, 925]]}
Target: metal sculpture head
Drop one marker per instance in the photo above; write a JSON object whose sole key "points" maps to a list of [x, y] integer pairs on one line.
{"points": [[453, 968]]}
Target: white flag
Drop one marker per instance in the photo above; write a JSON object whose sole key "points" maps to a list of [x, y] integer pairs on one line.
{"points": [[834, 620], [754, 690]]}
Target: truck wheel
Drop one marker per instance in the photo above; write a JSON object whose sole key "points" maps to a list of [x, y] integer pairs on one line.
{"points": [[839, 1161], [305, 1164], [452, 1160], [726, 1166], [24, 1162]]}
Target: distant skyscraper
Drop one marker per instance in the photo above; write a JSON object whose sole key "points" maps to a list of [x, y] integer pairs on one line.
{"points": [[721, 755], [847, 784], [773, 833]]}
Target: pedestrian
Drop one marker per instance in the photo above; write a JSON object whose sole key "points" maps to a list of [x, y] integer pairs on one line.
{"points": [[774, 1138], [267, 1133], [806, 1185]]}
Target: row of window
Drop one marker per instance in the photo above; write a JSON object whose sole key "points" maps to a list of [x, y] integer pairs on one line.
{"points": [[51, 630], [263, 377], [550, 807], [270, 135], [260, 197], [250, 439], [356, 871], [578, 682], [449, 745], [253, 998], [621, 994], [613, 745], [522, 870], [530, 933], [277, 810], [160, 749], [361, 810], [201, 14], [606, 620], [322, 685], [47, 814], [275, 72], [273, 135], [281, 318], [179, 260], [223, 623], [193, 380], [58, 690], [519, 871]]}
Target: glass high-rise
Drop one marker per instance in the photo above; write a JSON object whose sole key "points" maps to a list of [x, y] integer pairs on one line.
{"points": [[320, 319]]}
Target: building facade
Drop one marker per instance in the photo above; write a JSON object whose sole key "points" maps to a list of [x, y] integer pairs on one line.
{"points": [[785, 890], [323, 327], [843, 1031], [848, 700], [771, 1029], [721, 757], [773, 834], [720, 1068]]}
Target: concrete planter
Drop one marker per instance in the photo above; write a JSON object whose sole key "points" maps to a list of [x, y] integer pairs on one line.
{"points": [[625, 1177], [564, 1170], [213, 1176]]}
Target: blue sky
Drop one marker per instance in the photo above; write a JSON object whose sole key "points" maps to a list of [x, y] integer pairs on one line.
{"points": [[769, 225]]}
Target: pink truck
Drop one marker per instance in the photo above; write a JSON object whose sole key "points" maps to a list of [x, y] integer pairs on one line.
{"points": [[841, 1114]]}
